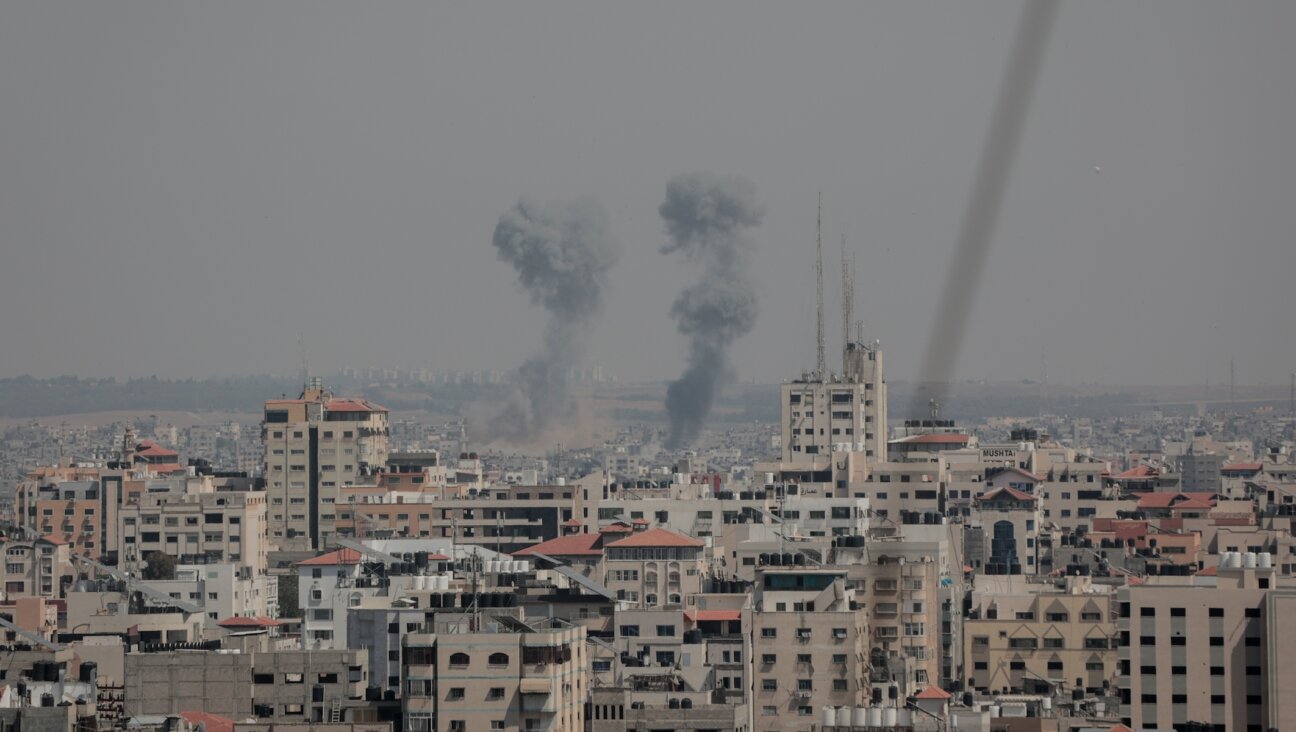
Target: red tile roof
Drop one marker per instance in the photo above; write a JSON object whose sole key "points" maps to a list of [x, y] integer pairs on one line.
{"points": [[640, 522], [1242, 467], [51, 539], [1019, 495], [1119, 728], [1165, 499], [149, 448], [573, 521], [341, 556], [1018, 471], [239, 621], [1138, 471], [617, 528], [933, 692], [1211, 571], [655, 538], [438, 557], [210, 722], [574, 545]]}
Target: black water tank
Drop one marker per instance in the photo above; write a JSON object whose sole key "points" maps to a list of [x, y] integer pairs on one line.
{"points": [[798, 559], [674, 703], [52, 671], [89, 670], [686, 703], [968, 699], [787, 559], [877, 696], [372, 693], [421, 560], [47, 700]]}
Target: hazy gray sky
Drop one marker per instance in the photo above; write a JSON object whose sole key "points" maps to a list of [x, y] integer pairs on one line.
{"points": [[186, 186]]}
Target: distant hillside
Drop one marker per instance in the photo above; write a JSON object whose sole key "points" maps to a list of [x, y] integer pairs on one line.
{"points": [[29, 397]]}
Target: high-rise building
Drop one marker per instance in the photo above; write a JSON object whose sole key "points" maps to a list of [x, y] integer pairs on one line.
{"points": [[314, 445], [821, 410]]}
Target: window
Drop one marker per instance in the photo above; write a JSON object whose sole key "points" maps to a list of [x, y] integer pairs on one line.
{"points": [[769, 632], [456, 693], [498, 659], [1217, 612], [1216, 670], [459, 659], [805, 685], [769, 684], [665, 631], [630, 631], [839, 685], [1217, 640], [496, 692], [1177, 612], [1147, 612], [768, 659]]}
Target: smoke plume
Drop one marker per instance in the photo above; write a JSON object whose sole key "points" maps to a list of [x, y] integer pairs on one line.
{"points": [[705, 217], [562, 253]]}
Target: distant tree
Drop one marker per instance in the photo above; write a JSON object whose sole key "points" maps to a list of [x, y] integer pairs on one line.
{"points": [[288, 607], [159, 566]]}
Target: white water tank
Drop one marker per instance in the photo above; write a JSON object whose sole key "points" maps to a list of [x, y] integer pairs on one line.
{"points": [[1100, 708], [903, 717], [994, 711], [1265, 560], [889, 716], [1249, 560], [1046, 703], [861, 717], [562, 481], [769, 479], [829, 717], [420, 582], [526, 565], [443, 582], [1232, 560], [875, 716]]}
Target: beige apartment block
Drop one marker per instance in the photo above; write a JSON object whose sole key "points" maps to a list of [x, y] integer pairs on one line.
{"points": [[655, 567], [1040, 637], [809, 647], [39, 568], [315, 445], [1205, 649], [509, 677], [824, 413], [200, 528]]}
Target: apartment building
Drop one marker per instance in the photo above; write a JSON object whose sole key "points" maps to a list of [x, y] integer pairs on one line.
{"points": [[64, 510], [223, 590], [818, 411], [504, 675], [284, 686], [315, 445], [1026, 637], [810, 642], [1206, 650], [38, 568], [655, 567], [502, 518], [199, 528]]}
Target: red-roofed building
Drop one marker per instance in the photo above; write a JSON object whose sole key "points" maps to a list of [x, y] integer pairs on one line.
{"points": [[332, 559], [656, 567], [210, 722]]}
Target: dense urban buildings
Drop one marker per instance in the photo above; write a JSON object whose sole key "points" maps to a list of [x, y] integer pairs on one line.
{"points": [[831, 573]]}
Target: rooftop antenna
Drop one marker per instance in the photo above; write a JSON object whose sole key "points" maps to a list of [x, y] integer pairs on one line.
{"points": [[821, 362], [1291, 406], [934, 407], [1232, 384], [848, 300], [305, 370]]}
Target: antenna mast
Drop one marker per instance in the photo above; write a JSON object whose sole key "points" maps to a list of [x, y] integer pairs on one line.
{"points": [[821, 362], [848, 301]]}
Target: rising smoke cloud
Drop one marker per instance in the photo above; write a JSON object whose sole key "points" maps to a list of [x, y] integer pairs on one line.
{"points": [[561, 252], [705, 217]]}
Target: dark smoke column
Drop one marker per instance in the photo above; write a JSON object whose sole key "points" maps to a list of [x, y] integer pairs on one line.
{"points": [[706, 216], [562, 253]]}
